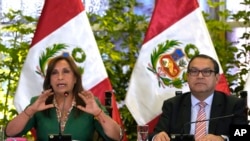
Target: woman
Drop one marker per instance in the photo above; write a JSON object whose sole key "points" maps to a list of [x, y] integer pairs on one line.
{"points": [[65, 104]]}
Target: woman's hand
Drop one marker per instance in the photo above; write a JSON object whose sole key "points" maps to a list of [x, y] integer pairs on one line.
{"points": [[17, 124], [40, 104], [110, 127], [91, 105]]}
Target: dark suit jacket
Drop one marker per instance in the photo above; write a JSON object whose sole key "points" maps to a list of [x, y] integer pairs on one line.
{"points": [[176, 114]]}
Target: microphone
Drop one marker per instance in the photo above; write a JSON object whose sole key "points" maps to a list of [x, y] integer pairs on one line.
{"points": [[66, 94], [209, 119], [60, 120], [60, 136], [188, 137]]}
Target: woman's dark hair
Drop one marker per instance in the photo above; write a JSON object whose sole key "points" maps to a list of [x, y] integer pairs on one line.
{"points": [[78, 87], [215, 63]]}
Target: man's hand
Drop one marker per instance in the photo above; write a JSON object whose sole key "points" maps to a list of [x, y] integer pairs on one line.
{"points": [[162, 136], [211, 137]]}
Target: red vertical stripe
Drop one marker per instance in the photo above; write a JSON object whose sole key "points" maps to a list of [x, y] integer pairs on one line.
{"points": [[223, 85], [55, 14], [99, 89], [166, 13]]}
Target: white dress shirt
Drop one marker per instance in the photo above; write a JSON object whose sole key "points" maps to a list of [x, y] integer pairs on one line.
{"points": [[195, 108]]}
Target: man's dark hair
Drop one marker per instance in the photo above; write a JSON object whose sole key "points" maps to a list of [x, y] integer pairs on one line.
{"points": [[216, 65]]}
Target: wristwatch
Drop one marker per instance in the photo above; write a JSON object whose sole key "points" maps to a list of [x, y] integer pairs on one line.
{"points": [[121, 134], [224, 137]]}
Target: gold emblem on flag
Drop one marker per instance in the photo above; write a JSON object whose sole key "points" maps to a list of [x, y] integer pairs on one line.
{"points": [[77, 54], [169, 63]]}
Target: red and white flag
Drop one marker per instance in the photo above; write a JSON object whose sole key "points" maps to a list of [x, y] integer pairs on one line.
{"points": [[176, 32], [63, 27]]}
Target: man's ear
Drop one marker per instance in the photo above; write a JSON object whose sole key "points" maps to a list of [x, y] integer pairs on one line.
{"points": [[217, 77]]}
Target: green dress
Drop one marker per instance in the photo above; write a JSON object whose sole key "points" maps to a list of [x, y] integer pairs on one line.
{"points": [[81, 128]]}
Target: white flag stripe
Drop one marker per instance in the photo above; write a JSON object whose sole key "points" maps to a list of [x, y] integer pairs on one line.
{"points": [[145, 84], [82, 37], [184, 31]]}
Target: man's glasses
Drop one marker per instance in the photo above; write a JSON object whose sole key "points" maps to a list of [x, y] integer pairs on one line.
{"points": [[205, 73]]}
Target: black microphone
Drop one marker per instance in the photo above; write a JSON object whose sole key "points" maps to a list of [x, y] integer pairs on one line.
{"points": [[189, 137], [210, 119], [60, 136], [66, 94], [60, 120]]}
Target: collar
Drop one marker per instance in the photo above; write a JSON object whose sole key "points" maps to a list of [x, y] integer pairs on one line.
{"points": [[208, 100]]}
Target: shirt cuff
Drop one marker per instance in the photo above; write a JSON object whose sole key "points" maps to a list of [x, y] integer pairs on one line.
{"points": [[226, 138]]}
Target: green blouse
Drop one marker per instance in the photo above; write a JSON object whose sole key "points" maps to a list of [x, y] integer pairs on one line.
{"points": [[81, 127]]}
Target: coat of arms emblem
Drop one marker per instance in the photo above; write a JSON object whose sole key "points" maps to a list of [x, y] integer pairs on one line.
{"points": [[169, 63]]}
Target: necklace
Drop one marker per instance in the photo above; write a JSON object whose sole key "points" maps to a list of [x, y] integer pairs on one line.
{"points": [[62, 116]]}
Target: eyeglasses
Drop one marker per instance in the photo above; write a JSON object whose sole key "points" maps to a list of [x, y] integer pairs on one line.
{"points": [[205, 73]]}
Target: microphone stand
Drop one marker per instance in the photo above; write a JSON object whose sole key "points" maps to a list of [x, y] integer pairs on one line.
{"points": [[60, 120], [60, 136], [188, 137]]}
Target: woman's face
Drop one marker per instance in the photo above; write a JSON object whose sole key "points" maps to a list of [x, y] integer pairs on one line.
{"points": [[62, 78]]}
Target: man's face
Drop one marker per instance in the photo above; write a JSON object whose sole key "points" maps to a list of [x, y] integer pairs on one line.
{"points": [[201, 77]]}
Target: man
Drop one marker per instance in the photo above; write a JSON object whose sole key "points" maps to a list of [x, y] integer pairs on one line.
{"points": [[179, 111]]}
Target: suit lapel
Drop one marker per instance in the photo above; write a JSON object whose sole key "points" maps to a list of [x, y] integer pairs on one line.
{"points": [[216, 110], [186, 110]]}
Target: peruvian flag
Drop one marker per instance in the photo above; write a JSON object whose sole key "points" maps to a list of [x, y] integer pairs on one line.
{"points": [[176, 32], [63, 27]]}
